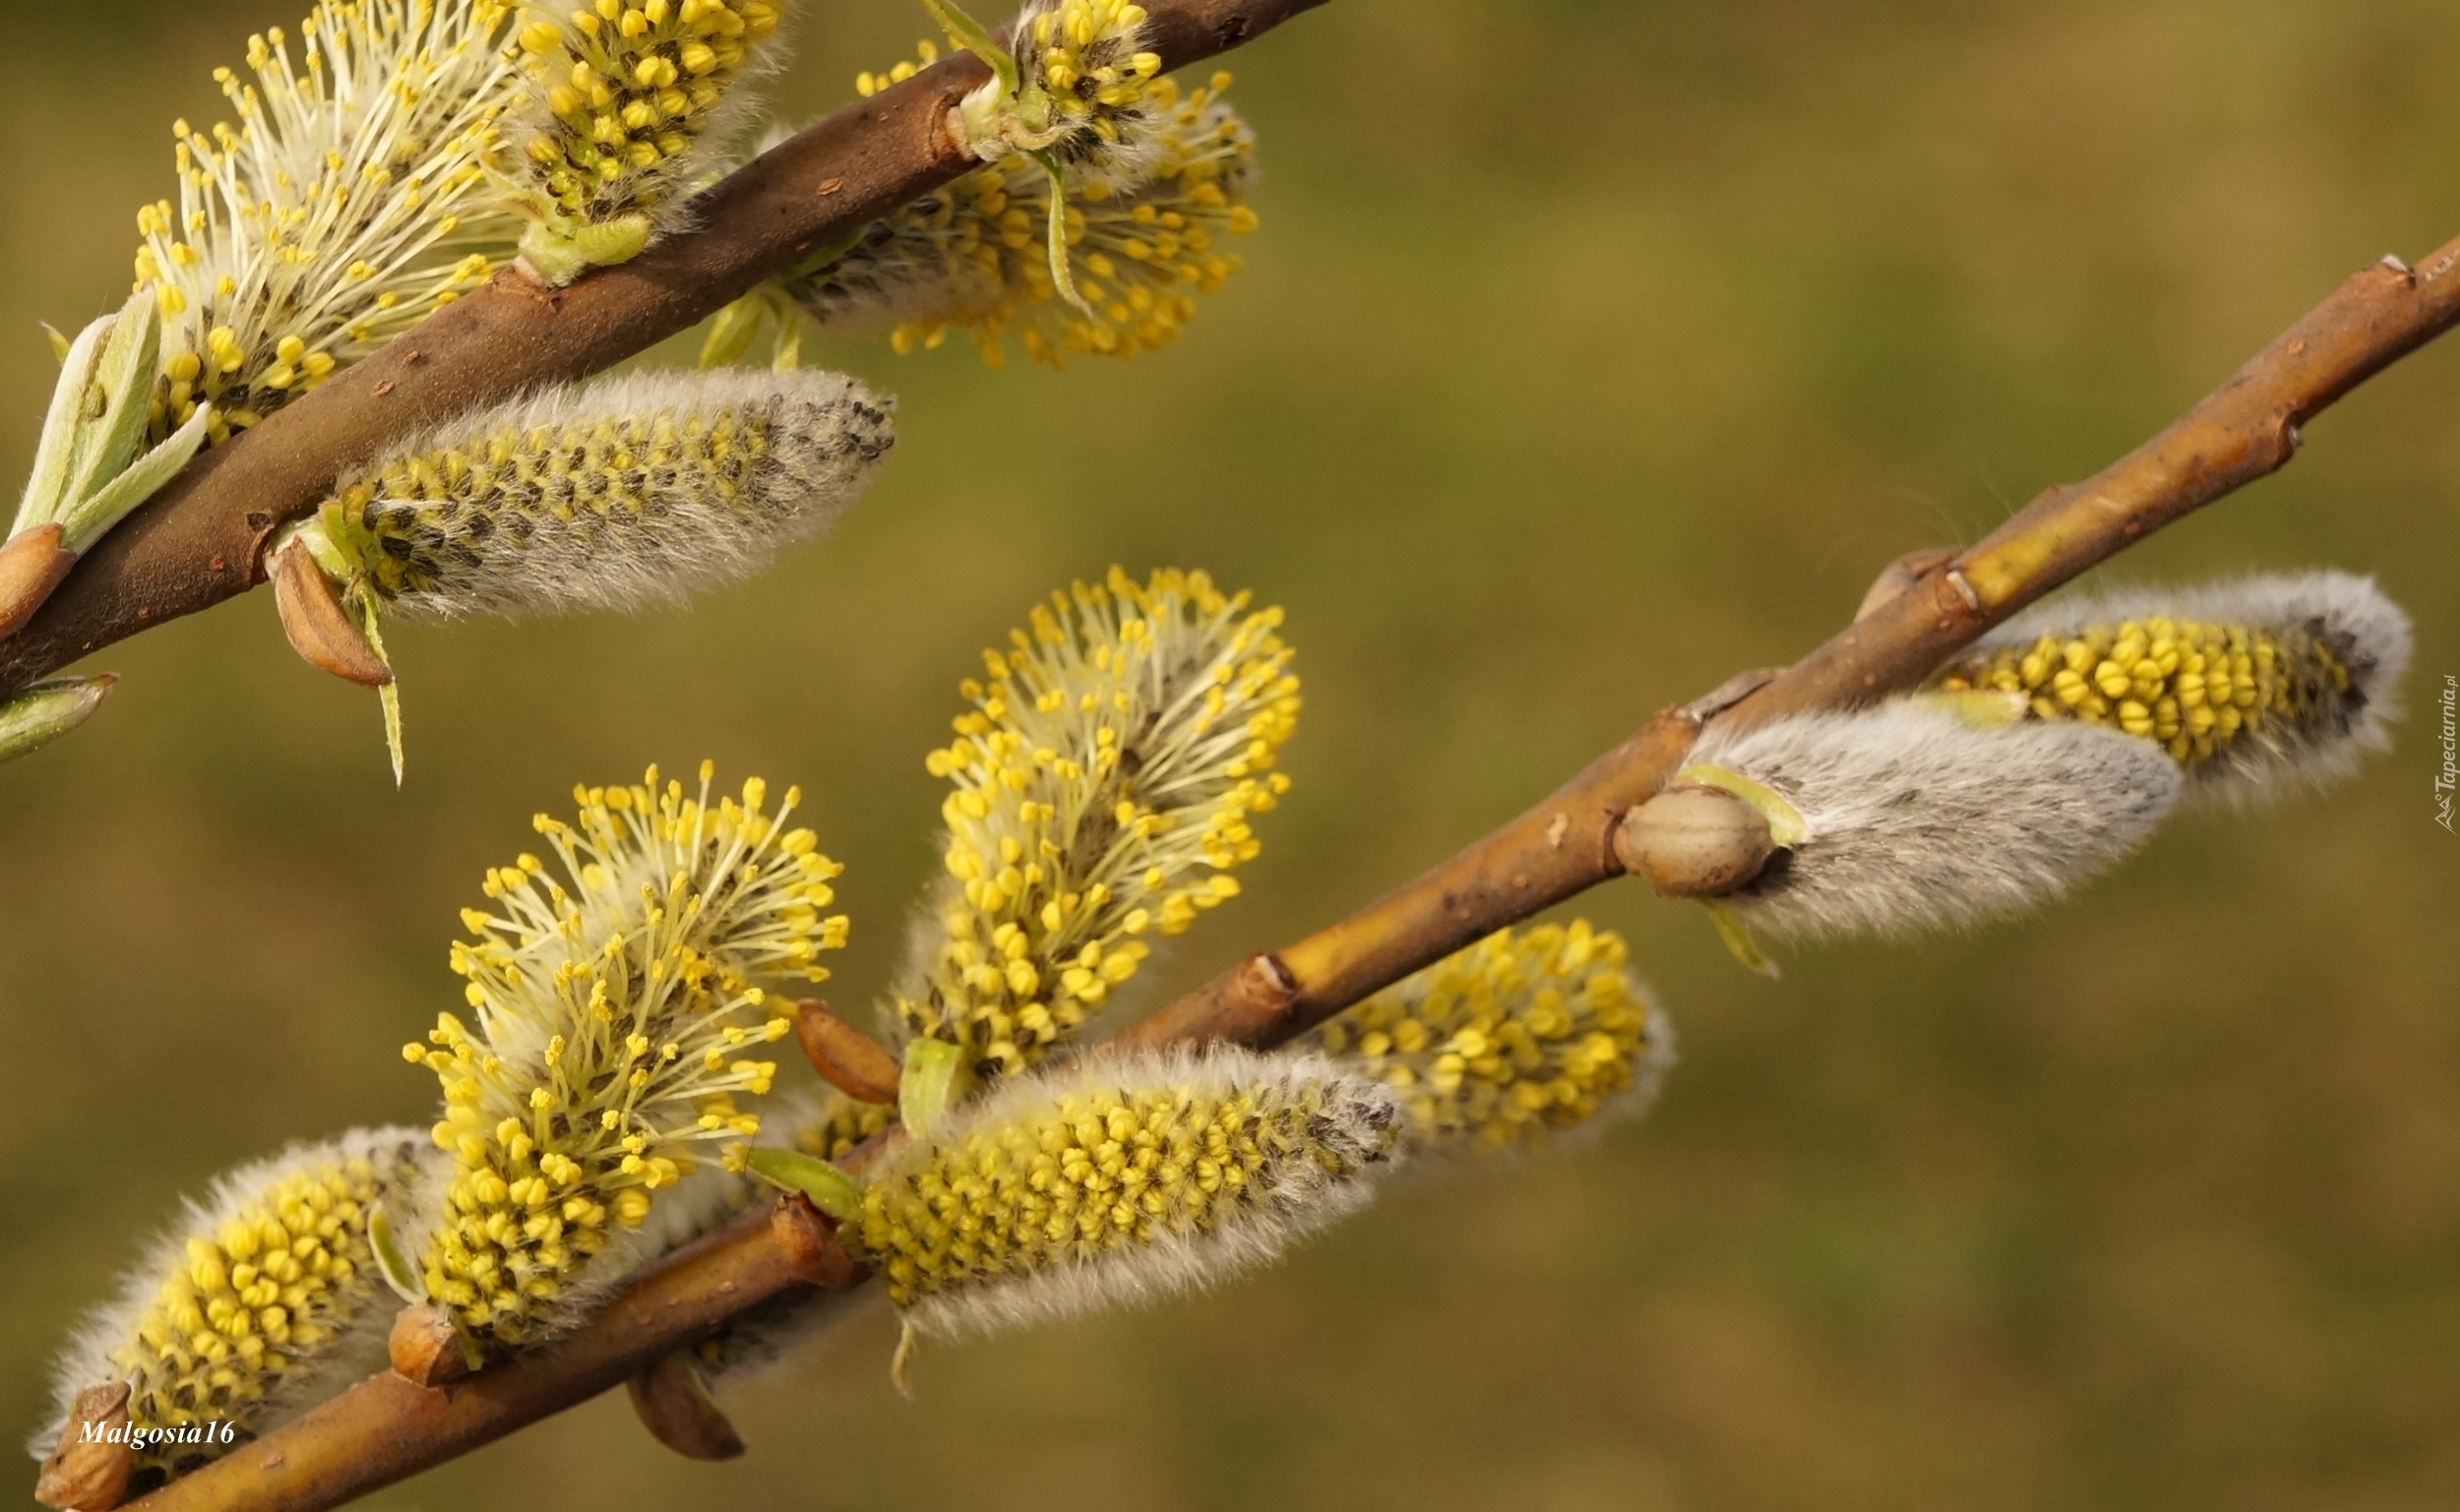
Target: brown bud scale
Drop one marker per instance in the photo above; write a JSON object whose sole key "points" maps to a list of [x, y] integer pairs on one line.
{"points": [[1695, 843]]}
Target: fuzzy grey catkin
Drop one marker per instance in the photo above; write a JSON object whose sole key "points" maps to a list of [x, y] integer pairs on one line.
{"points": [[260, 1300], [623, 493], [1920, 819], [2250, 684]]}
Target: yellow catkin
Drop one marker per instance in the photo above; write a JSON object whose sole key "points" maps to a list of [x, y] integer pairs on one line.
{"points": [[972, 256], [1103, 783], [618, 1013], [257, 1294], [623, 95], [1523, 1036], [2197, 687], [1119, 1178], [345, 204], [1089, 57], [839, 1125]]}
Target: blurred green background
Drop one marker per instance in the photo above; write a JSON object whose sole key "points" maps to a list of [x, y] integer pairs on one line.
{"points": [[1591, 350]]}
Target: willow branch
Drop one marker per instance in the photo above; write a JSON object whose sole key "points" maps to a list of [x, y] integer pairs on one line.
{"points": [[203, 538], [2246, 429], [386, 1428]]}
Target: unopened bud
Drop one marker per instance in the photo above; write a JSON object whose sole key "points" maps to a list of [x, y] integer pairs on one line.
{"points": [[676, 1409], [846, 1058], [32, 565], [41, 715], [89, 1470], [426, 1349], [318, 628], [1693, 843]]}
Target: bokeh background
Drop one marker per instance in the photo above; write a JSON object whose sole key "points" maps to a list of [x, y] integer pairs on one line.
{"points": [[1591, 350]]}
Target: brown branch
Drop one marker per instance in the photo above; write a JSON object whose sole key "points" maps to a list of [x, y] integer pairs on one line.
{"points": [[386, 1428], [203, 539], [2242, 431]]}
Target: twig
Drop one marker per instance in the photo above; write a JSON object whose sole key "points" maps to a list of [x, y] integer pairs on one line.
{"points": [[203, 539], [383, 1429], [2242, 431], [386, 1428]]}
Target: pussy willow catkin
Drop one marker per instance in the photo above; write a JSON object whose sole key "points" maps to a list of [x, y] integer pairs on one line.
{"points": [[627, 100], [1523, 1037], [1919, 818], [1085, 88], [1119, 1179], [831, 1124], [346, 203], [970, 257], [618, 1017], [2244, 683], [261, 1299], [1103, 783], [624, 492]]}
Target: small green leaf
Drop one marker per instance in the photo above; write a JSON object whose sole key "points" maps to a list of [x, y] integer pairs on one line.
{"points": [[789, 357], [1735, 932], [1061, 277], [83, 523], [731, 334], [613, 242], [393, 1262], [59, 342], [46, 492], [832, 1191], [976, 38], [35, 716], [1786, 825], [902, 1364], [123, 383], [553, 255], [361, 603], [340, 543], [938, 1075]]}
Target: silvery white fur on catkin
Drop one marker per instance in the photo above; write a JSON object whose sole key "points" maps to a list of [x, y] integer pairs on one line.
{"points": [[1358, 1118], [1920, 819], [2365, 628], [357, 1346], [828, 434]]}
